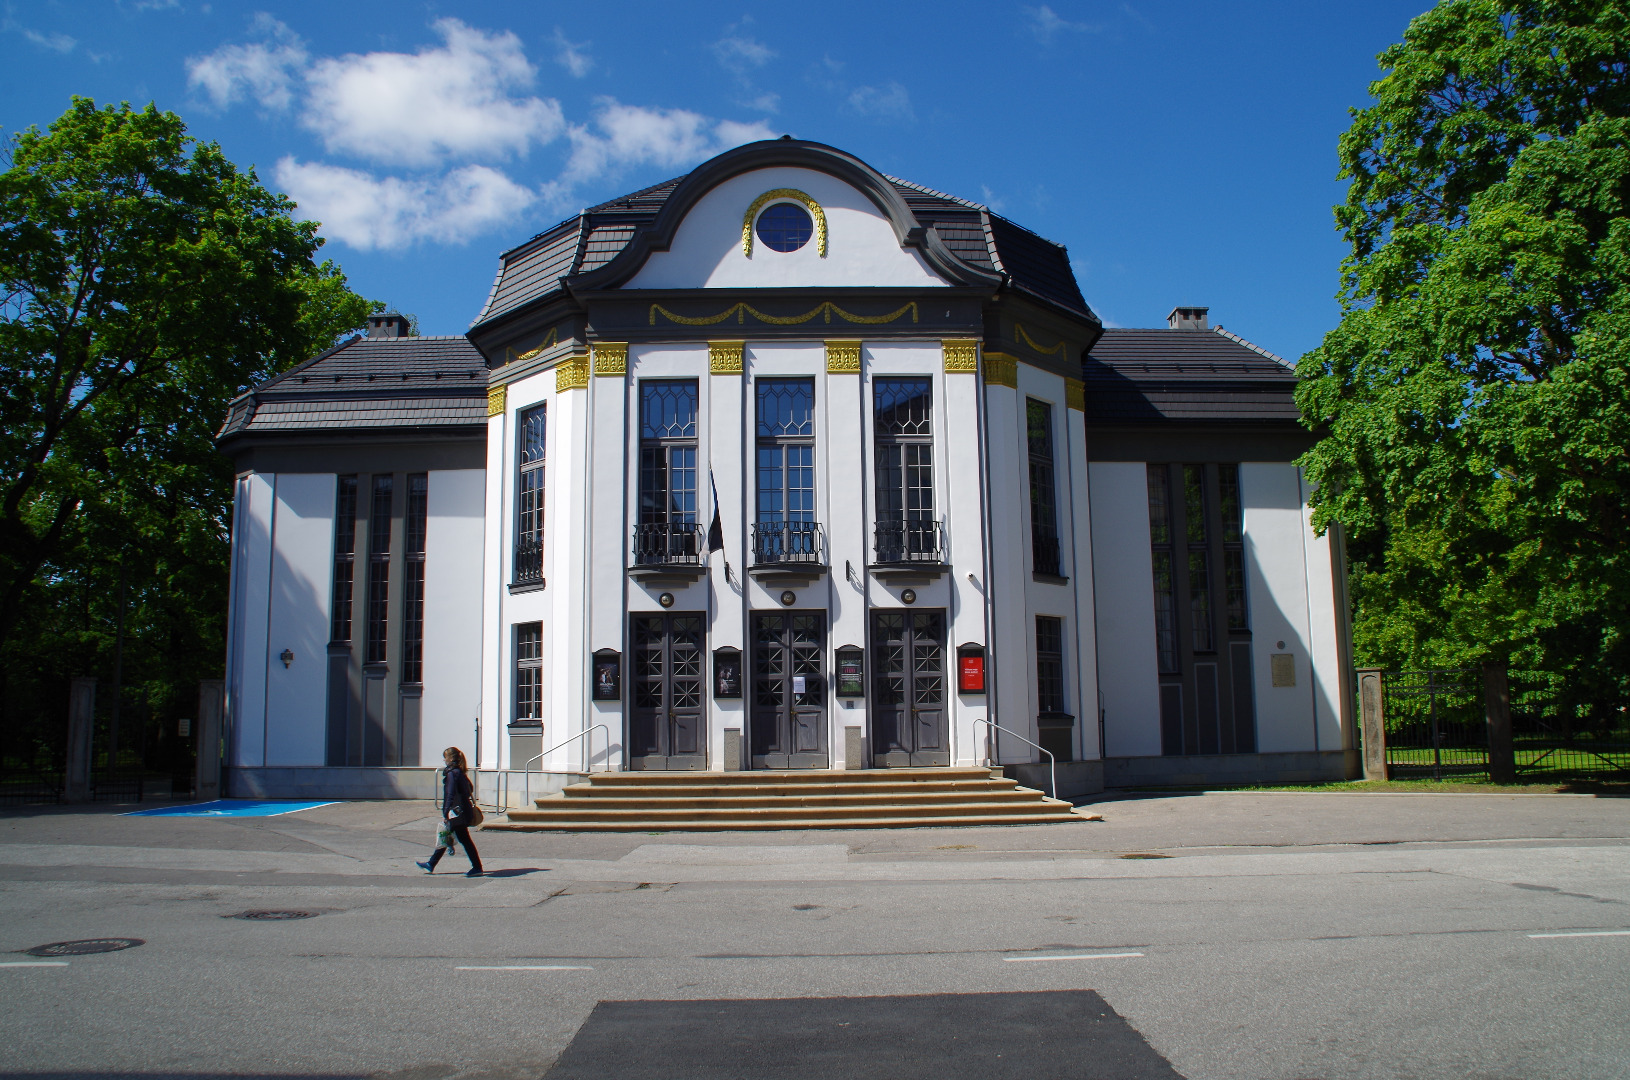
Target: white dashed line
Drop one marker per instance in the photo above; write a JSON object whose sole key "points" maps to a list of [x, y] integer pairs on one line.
{"points": [[33, 963], [521, 967], [1587, 933], [1073, 956]]}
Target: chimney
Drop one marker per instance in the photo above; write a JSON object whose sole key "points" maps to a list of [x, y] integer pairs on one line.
{"points": [[388, 324], [1188, 318]]}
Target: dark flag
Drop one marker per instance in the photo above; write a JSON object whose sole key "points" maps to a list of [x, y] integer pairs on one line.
{"points": [[715, 532]]}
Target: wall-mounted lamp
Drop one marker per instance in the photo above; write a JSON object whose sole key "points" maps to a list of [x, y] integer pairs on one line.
{"points": [[287, 657]]}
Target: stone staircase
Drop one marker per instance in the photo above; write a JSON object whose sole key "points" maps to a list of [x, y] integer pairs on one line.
{"points": [[810, 799]]}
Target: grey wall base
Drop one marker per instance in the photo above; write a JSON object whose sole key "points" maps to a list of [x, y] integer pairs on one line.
{"points": [[1223, 769], [1075, 778], [324, 782]]}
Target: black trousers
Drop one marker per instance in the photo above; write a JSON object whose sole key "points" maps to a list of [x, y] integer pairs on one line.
{"points": [[463, 836]]}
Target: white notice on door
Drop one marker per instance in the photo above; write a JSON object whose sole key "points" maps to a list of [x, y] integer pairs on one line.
{"points": [[798, 684]]}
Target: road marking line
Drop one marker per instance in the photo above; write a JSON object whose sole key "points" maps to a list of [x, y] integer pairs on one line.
{"points": [[33, 963], [521, 967], [1587, 933], [1080, 956]]}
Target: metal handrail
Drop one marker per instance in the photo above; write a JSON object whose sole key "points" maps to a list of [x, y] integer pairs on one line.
{"points": [[588, 755], [1053, 761]]}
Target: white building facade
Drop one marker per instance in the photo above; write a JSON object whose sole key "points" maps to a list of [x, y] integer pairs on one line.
{"points": [[783, 464]]}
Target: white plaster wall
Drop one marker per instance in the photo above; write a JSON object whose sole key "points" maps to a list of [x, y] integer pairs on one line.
{"points": [[495, 549], [610, 546], [454, 535], [1074, 509], [1012, 628], [964, 521], [1277, 584], [707, 251], [566, 555], [726, 450], [253, 559], [845, 460], [1123, 587], [302, 569], [1323, 630]]}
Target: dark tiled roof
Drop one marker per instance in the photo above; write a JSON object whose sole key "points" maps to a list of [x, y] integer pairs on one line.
{"points": [[593, 238], [1197, 376], [373, 384]]}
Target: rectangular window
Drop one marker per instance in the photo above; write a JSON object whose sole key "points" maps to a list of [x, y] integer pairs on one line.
{"points": [[529, 671], [1049, 664], [1160, 541], [785, 530], [379, 570], [668, 530], [1043, 498], [1233, 528], [418, 504], [1196, 528], [903, 412], [345, 557], [529, 497]]}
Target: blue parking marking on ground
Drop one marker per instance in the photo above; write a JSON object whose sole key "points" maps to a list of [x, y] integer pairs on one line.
{"points": [[230, 808]]}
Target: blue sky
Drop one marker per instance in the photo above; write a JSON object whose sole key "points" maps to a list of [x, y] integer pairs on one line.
{"points": [[1184, 151]]}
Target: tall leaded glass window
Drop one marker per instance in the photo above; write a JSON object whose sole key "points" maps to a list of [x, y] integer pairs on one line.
{"points": [[1196, 526], [1160, 542], [345, 557], [529, 671], [413, 536], [902, 427], [785, 529], [1043, 498], [1049, 664], [668, 478], [379, 570], [1233, 547], [529, 496]]}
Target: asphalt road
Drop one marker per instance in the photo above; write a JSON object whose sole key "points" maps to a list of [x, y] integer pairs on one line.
{"points": [[1304, 937]]}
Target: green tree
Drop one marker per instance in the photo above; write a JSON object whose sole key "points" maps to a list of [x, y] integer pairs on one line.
{"points": [[1473, 398], [144, 281]]}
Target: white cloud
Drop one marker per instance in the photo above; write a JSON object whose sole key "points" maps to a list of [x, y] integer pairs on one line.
{"points": [[390, 213], [266, 70], [60, 43], [766, 102], [992, 200], [571, 55], [1045, 23], [629, 135], [739, 55], [890, 102], [452, 101]]}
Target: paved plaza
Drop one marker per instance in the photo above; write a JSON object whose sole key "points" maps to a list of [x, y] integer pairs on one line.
{"points": [[1295, 936]]}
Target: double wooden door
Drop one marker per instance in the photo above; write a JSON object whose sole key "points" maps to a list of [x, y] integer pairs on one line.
{"points": [[667, 726], [909, 689], [788, 714]]}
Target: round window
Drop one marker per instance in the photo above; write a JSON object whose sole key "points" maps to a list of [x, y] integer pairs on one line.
{"points": [[785, 227]]}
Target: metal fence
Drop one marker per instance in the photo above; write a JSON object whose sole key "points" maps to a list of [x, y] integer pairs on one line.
{"points": [[1437, 727]]}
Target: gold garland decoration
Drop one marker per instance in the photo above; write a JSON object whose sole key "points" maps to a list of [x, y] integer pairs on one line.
{"points": [[1030, 341], [783, 195], [547, 341], [741, 310]]}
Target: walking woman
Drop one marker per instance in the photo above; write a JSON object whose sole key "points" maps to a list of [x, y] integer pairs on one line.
{"points": [[458, 807]]}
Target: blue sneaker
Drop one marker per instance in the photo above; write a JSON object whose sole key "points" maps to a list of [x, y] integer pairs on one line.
{"points": [[426, 867]]}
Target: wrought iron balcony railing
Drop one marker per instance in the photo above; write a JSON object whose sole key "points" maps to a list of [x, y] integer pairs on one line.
{"points": [[909, 542], [669, 544], [528, 560], [1044, 557], [777, 543]]}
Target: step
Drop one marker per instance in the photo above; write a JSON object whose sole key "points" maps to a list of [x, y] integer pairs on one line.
{"points": [[928, 798], [891, 821], [771, 790], [797, 776], [791, 813]]}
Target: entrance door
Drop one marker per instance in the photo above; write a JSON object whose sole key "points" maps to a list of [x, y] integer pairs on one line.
{"points": [[789, 690], [908, 689], [666, 729]]}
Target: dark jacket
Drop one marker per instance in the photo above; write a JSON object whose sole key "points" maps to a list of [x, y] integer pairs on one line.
{"points": [[456, 794]]}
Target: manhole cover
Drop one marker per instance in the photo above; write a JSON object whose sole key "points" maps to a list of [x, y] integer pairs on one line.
{"points": [[86, 947], [268, 916]]}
